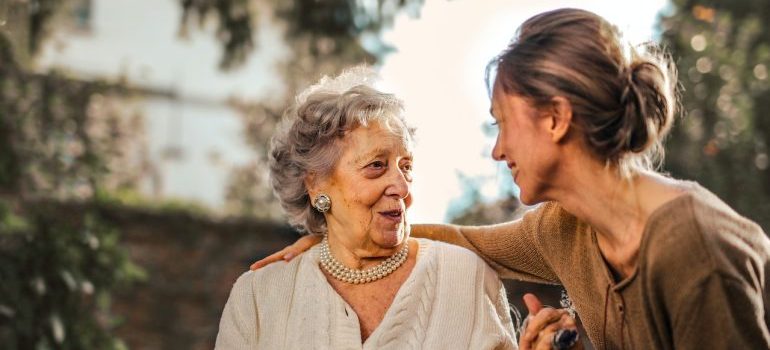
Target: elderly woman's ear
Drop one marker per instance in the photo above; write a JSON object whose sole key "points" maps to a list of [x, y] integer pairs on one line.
{"points": [[314, 184], [319, 199]]}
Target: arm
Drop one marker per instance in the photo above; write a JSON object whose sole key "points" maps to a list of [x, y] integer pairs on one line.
{"points": [[722, 312], [238, 327], [512, 249]]}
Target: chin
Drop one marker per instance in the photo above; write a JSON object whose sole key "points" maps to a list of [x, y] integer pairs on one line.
{"points": [[528, 198], [390, 239]]}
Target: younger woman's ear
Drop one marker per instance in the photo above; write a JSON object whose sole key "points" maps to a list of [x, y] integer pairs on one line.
{"points": [[559, 118]]}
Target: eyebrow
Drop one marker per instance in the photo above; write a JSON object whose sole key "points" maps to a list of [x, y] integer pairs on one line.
{"points": [[373, 154], [378, 152]]}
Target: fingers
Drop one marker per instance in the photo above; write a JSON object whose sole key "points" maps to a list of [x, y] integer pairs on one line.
{"points": [[533, 303], [539, 322], [288, 253], [544, 342], [545, 338], [305, 243], [567, 322], [542, 324], [277, 256]]}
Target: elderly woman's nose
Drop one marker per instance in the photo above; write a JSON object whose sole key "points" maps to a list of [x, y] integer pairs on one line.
{"points": [[399, 184]]}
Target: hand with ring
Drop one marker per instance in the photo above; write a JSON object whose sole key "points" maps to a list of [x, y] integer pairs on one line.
{"points": [[546, 328]]}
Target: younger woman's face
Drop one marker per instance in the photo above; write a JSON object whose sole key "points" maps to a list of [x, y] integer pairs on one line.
{"points": [[524, 144], [370, 191]]}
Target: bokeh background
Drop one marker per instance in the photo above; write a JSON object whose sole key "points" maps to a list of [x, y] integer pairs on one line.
{"points": [[133, 136]]}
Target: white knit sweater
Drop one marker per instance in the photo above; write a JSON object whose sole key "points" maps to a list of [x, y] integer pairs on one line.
{"points": [[451, 300]]}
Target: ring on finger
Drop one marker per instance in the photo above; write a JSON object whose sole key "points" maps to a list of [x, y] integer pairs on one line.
{"points": [[564, 339]]}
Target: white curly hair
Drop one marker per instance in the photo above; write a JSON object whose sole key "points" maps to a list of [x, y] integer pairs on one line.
{"points": [[307, 139]]}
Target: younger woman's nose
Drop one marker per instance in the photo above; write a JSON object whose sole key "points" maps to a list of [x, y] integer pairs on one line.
{"points": [[497, 152]]}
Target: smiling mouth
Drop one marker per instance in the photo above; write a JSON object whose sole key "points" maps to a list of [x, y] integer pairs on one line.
{"points": [[514, 170], [395, 215]]}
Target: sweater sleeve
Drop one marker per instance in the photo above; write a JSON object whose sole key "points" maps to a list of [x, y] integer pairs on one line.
{"points": [[238, 327], [721, 313], [513, 249]]}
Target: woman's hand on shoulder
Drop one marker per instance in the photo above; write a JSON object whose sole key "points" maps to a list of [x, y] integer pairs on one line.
{"points": [[543, 324], [288, 253]]}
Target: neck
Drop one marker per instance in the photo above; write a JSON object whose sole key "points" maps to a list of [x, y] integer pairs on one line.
{"points": [[359, 255], [609, 203], [616, 208]]}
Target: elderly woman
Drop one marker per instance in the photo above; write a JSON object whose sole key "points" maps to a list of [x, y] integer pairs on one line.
{"points": [[650, 262], [341, 168]]}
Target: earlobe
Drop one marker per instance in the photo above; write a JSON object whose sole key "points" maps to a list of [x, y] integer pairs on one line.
{"points": [[560, 118], [310, 184], [316, 184]]}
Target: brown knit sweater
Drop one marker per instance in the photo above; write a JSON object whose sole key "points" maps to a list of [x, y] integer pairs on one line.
{"points": [[700, 283]]}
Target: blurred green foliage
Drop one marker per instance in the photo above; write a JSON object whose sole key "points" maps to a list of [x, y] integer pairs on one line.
{"points": [[58, 272], [722, 50], [58, 266], [39, 21], [335, 27], [132, 198]]}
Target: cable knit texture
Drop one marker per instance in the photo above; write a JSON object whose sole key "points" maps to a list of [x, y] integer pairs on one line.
{"points": [[701, 280], [451, 300]]}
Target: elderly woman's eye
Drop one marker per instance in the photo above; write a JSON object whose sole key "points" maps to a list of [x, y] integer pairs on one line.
{"points": [[377, 164], [407, 167]]}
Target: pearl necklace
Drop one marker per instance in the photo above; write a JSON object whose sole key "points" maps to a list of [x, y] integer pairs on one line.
{"points": [[355, 276]]}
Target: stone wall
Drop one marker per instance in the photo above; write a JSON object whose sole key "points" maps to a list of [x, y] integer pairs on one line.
{"points": [[191, 263]]}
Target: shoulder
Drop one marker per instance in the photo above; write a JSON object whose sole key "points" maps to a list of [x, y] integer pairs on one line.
{"points": [[558, 231], [554, 213], [717, 221], [459, 261], [729, 238], [276, 277], [699, 235], [456, 256], [553, 225], [550, 217]]}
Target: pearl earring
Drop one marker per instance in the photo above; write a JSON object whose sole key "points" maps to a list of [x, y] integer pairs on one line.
{"points": [[322, 203]]}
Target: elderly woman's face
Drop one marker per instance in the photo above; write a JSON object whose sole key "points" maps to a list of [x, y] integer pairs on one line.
{"points": [[370, 190]]}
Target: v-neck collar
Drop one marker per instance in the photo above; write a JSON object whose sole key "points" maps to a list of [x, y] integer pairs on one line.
{"points": [[415, 277], [688, 188]]}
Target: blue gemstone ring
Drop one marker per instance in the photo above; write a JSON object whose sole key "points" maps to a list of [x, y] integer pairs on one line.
{"points": [[564, 339]]}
